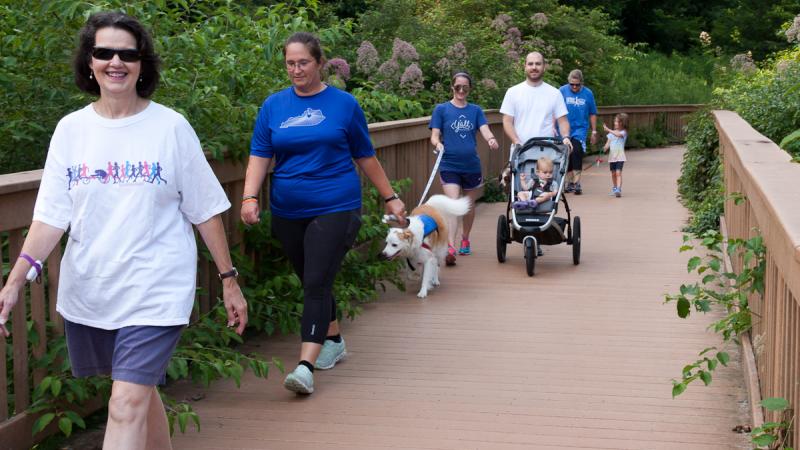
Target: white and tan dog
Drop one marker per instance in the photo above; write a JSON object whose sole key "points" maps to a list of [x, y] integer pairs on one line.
{"points": [[424, 241]]}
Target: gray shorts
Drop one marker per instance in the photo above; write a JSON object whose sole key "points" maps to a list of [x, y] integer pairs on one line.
{"points": [[136, 354]]}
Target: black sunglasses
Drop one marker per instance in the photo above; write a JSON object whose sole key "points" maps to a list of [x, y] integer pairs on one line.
{"points": [[461, 88], [575, 84], [125, 54]]}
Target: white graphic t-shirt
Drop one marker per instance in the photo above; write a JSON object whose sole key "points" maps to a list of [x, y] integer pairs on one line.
{"points": [[129, 191]]}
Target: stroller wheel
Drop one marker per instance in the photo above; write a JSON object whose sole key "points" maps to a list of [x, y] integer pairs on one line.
{"points": [[576, 240], [530, 257], [502, 238]]}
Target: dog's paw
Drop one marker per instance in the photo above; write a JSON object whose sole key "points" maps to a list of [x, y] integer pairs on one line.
{"points": [[435, 282], [422, 293]]}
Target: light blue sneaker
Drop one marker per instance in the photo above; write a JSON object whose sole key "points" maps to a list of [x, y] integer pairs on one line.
{"points": [[301, 380], [331, 353]]}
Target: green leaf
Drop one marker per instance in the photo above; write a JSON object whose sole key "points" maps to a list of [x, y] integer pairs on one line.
{"points": [[683, 308], [693, 263], [793, 136], [55, 387], [723, 358], [42, 422], [65, 425], [182, 419], [75, 418], [764, 440], [706, 377], [677, 389], [775, 403]]}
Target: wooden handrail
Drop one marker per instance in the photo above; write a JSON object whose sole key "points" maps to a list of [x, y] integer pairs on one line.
{"points": [[757, 168]]}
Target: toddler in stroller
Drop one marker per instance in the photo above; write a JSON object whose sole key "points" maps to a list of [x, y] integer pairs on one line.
{"points": [[534, 191]]}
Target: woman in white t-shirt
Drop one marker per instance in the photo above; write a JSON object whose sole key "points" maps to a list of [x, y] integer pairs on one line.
{"points": [[128, 178]]}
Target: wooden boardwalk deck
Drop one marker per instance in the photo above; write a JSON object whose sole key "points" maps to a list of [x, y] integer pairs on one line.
{"points": [[574, 357]]}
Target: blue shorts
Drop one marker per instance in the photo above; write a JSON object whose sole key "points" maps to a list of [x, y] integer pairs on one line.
{"points": [[616, 166], [467, 181], [136, 354]]}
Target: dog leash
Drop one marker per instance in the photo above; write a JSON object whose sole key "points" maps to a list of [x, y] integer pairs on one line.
{"points": [[433, 174]]}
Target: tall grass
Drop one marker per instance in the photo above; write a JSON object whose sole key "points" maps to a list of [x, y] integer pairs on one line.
{"points": [[654, 78]]}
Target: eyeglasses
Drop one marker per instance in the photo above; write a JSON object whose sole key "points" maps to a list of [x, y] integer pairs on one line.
{"points": [[125, 54], [575, 84], [461, 88], [302, 64]]}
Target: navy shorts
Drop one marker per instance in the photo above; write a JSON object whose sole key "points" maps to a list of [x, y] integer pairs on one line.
{"points": [[616, 166], [576, 157], [467, 181], [136, 354]]}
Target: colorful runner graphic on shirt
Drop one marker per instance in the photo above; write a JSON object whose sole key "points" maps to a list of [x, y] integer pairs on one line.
{"points": [[116, 173], [309, 118]]}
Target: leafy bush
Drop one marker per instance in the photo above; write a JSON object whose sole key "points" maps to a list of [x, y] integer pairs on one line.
{"points": [[221, 60], [700, 184]]}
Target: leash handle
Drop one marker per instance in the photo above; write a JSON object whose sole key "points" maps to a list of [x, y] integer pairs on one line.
{"points": [[433, 173]]}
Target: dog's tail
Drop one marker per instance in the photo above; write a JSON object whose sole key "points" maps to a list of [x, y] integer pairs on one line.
{"points": [[449, 206]]}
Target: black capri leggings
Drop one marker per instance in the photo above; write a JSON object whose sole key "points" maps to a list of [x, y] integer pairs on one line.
{"points": [[316, 246], [575, 161]]}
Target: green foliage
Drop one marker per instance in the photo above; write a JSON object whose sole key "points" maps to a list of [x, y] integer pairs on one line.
{"points": [[652, 136], [768, 99], [492, 192], [654, 79], [700, 184], [220, 60], [774, 435], [719, 288], [382, 106]]}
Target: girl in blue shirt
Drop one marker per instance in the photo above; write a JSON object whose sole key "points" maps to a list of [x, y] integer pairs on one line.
{"points": [[314, 132], [454, 125]]}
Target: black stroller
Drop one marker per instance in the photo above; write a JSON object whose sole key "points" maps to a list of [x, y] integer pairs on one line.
{"points": [[537, 226]]}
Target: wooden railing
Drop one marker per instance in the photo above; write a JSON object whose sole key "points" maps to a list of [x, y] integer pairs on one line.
{"points": [[671, 117], [757, 168], [403, 148]]}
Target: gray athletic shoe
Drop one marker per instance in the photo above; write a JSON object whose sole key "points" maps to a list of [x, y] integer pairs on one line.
{"points": [[331, 353], [301, 380]]}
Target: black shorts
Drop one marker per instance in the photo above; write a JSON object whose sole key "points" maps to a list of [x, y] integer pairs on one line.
{"points": [[616, 166], [467, 181], [576, 157]]}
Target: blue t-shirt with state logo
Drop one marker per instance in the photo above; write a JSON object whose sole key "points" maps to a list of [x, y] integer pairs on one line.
{"points": [[313, 140], [459, 127], [579, 107]]}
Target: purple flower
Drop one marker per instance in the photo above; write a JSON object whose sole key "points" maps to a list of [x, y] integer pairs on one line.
{"points": [[501, 22], [367, 60], [411, 80], [338, 67], [743, 62], [458, 54], [404, 51], [389, 68], [793, 33], [539, 20], [443, 68], [488, 84]]}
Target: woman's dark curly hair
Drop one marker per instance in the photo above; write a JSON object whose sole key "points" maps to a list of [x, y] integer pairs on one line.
{"points": [[144, 43]]}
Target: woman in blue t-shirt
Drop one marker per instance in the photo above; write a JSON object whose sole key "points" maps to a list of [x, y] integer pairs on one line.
{"points": [[314, 132], [454, 125]]}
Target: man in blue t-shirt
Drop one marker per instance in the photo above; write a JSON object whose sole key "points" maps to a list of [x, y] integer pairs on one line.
{"points": [[582, 113]]}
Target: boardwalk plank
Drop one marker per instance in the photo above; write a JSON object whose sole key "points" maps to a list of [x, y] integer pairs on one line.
{"points": [[574, 357]]}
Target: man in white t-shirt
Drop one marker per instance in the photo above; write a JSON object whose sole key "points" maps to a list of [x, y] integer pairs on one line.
{"points": [[531, 108]]}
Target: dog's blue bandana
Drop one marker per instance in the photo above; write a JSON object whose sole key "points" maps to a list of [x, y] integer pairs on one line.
{"points": [[428, 224]]}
